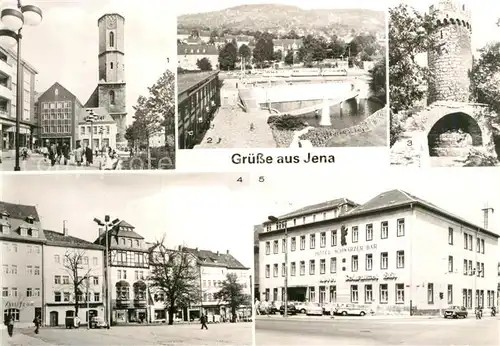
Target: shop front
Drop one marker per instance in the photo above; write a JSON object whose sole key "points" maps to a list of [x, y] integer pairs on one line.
{"points": [[8, 135], [55, 314], [22, 312]]}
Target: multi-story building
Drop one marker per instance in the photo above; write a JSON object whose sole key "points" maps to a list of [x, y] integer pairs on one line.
{"points": [[58, 113], [129, 269], [73, 272], [257, 229], [102, 132], [22, 240], [188, 56], [8, 102], [394, 252], [110, 93], [285, 45], [198, 97]]}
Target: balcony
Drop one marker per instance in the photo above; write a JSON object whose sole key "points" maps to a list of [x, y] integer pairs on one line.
{"points": [[140, 302], [122, 302], [5, 68], [5, 92]]}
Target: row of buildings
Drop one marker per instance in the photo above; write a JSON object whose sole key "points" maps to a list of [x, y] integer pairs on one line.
{"points": [[394, 253], [57, 115], [38, 273]]}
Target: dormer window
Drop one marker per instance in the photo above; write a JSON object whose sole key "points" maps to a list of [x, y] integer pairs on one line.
{"points": [[24, 232], [5, 228], [4, 215], [34, 233], [30, 219]]}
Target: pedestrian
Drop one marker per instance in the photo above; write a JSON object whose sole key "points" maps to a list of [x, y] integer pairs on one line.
{"points": [[204, 320], [59, 151], [37, 323], [257, 306], [53, 154], [78, 155], [88, 156], [9, 322]]}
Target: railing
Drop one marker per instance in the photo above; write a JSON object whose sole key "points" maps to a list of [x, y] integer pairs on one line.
{"points": [[122, 302]]}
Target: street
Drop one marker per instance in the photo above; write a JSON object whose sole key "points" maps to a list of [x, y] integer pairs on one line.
{"points": [[185, 334], [36, 162], [298, 330]]}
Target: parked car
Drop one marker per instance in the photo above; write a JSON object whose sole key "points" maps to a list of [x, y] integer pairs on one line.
{"points": [[352, 309], [328, 308], [455, 312], [98, 322], [314, 309], [275, 307], [292, 310], [301, 307]]}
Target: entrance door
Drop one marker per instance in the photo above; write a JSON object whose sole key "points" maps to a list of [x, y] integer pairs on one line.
{"points": [[54, 318]]}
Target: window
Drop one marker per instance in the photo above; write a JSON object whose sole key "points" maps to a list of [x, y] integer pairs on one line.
{"points": [[478, 245], [430, 293], [13, 270], [384, 260], [86, 260], [354, 263], [450, 264], [119, 274], [97, 296], [66, 296], [302, 268], [482, 245], [283, 245], [369, 261], [384, 294], [322, 266], [57, 279], [354, 294], [29, 270], [13, 312], [333, 294], [6, 269], [470, 242], [466, 241], [466, 271], [65, 279], [333, 265], [312, 294], [111, 39], [400, 259], [5, 291], [111, 65], [369, 232], [368, 294], [312, 241], [401, 227], [37, 270], [136, 274], [29, 249], [384, 230], [268, 271], [400, 293], [293, 268], [29, 292], [470, 268], [275, 247], [283, 269], [312, 267], [94, 261], [334, 238], [355, 234], [322, 294], [293, 243], [14, 247], [14, 292], [450, 294], [268, 248], [275, 270], [450, 236], [322, 239], [111, 100], [482, 270], [302, 242]]}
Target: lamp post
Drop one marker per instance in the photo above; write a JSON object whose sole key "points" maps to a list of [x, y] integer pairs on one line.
{"points": [[107, 275], [285, 295], [87, 299], [101, 132], [13, 20], [90, 119]]}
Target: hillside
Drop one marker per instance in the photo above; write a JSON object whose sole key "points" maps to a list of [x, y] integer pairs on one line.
{"points": [[285, 18]]}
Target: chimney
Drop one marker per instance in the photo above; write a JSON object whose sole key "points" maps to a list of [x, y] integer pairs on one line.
{"points": [[65, 230], [486, 212], [227, 252], [217, 253], [180, 248], [196, 249]]}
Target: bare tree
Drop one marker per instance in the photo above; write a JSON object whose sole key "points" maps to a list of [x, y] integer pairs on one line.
{"points": [[73, 264], [175, 273], [232, 293]]}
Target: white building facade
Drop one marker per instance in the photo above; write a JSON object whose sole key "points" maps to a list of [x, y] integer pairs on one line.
{"points": [[393, 253]]}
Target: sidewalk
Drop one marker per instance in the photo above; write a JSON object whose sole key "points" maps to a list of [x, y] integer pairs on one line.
{"points": [[20, 339]]}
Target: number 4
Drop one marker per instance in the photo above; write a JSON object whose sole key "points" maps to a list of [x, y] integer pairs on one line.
{"points": [[240, 180]]}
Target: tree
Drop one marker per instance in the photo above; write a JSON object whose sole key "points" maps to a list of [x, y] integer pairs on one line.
{"points": [[78, 274], [132, 135], [289, 58], [485, 77], [175, 273], [278, 55], [245, 52], [204, 64], [410, 33], [336, 48], [228, 56], [148, 122], [378, 83], [263, 51], [232, 293]]}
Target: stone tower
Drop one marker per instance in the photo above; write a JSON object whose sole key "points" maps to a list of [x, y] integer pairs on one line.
{"points": [[451, 60], [111, 87]]}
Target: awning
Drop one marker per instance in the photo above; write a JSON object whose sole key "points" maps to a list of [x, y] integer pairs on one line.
{"points": [[22, 130]]}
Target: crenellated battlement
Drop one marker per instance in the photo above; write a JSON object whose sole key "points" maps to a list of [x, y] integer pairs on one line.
{"points": [[450, 12]]}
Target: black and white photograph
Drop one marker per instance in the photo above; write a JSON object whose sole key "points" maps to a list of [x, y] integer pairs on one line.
{"points": [[281, 74], [131, 259], [407, 257], [444, 77], [96, 80]]}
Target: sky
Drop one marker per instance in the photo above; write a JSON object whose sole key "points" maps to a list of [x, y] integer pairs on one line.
{"points": [[463, 192], [208, 211], [485, 14], [196, 6], [64, 47]]}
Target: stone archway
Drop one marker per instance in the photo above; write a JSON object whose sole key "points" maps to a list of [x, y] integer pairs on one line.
{"points": [[454, 135]]}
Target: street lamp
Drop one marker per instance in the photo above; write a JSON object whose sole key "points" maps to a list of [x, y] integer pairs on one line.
{"points": [[101, 132], [13, 20], [107, 224], [87, 299], [285, 295], [90, 119]]}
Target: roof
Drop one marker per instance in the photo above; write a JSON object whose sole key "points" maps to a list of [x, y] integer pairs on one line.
{"points": [[216, 259], [59, 239], [187, 81], [98, 111], [196, 49], [117, 231], [316, 208], [19, 211], [288, 41], [56, 85], [110, 14]]}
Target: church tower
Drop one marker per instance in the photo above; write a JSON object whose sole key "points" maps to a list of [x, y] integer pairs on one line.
{"points": [[451, 59], [111, 88]]}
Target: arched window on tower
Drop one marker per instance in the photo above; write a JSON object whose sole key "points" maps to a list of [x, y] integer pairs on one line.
{"points": [[112, 97], [111, 39], [111, 65]]}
